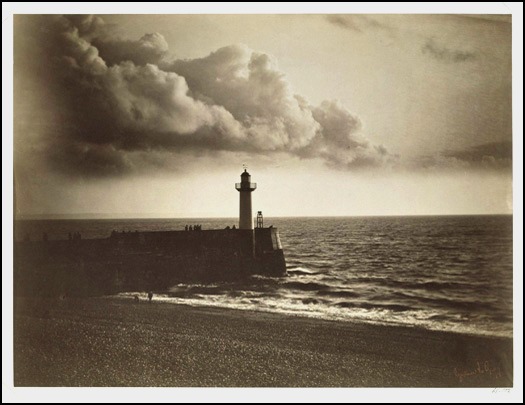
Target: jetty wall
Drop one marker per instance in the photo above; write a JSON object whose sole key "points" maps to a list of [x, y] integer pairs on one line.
{"points": [[141, 261]]}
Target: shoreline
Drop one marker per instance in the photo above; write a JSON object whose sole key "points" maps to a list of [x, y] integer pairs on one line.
{"points": [[353, 321], [110, 341]]}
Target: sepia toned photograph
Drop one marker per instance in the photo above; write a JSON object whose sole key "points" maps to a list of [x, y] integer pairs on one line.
{"points": [[263, 200]]}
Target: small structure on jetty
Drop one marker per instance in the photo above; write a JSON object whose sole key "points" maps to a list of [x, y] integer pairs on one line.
{"points": [[130, 261]]}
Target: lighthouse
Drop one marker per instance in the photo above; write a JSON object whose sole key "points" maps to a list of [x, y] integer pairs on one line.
{"points": [[245, 188]]}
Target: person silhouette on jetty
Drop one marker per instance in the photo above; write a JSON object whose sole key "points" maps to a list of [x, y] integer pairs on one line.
{"points": [[150, 296]]}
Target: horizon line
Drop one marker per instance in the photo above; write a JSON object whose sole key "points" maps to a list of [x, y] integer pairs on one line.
{"points": [[146, 216]]}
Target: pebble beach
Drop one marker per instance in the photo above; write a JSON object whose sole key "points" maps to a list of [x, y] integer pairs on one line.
{"points": [[110, 341]]}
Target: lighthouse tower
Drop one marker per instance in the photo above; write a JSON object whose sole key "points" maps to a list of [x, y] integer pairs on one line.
{"points": [[245, 189]]}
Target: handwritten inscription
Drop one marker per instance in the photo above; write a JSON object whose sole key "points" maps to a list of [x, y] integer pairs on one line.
{"points": [[498, 390], [482, 367]]}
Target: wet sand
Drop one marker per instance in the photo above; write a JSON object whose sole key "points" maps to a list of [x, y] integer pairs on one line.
{"points": [[118, 342]]}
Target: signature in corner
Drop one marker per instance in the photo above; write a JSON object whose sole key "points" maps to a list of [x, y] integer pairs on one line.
{"points": [[481, 368], [498, 390]]}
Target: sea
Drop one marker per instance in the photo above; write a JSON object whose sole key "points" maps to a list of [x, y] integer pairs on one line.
{"points": [[450, 273]]}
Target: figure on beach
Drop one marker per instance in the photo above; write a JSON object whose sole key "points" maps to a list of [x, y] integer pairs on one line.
{"points": [[150, 296]]}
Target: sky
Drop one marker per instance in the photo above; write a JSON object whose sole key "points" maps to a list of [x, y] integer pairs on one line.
{"points": [[340, 114], [429, 90]]}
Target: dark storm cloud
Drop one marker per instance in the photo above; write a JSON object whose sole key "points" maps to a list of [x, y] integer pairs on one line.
{"points": [[442, 53], [92, 160], [488, 156], [356, 22], [493, 154], [87, 25], [344, 21], [121, 101]]}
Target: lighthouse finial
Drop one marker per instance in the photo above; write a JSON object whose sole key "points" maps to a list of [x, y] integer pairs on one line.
{"points": [[244, 166]]}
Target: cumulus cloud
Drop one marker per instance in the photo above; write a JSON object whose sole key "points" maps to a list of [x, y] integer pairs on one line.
{"points": [[151, 48], [336, 141], [442, 53], [123, 100], [249, 86]]}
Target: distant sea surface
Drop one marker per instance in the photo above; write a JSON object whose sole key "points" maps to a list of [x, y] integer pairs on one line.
{"points": [[449, 273]]}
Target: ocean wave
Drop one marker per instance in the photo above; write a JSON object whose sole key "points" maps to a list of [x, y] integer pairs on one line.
{"points": [[441, 302], [301, 271], [423, 285], [366, 305], [338, 293], [310, 301], [296, 285]]}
